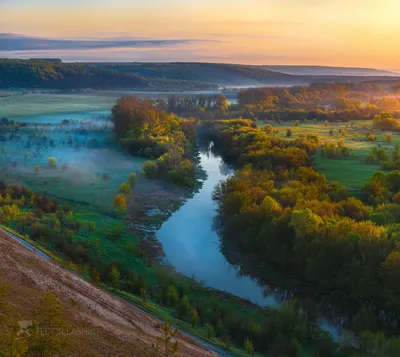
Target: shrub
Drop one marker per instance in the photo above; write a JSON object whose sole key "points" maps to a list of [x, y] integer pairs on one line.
{"points": [[52, 162], [150, 169], [132, 179], [125, 189], [120, 202]]}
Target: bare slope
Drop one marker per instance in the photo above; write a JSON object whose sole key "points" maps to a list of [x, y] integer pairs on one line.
{"points": [[117, 329]]}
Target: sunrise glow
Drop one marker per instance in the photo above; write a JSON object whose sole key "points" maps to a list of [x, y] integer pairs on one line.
{"points": [[339, 33]]}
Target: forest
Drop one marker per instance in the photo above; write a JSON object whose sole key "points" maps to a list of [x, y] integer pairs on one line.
{"points": [[281, 209], [144, 130], [49, 74]]}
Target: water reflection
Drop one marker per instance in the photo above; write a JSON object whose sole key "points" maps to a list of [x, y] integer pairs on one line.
{"points": [[192, 245]]}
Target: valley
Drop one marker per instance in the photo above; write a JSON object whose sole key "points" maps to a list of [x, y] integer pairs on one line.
{"points": [[161, 245]]}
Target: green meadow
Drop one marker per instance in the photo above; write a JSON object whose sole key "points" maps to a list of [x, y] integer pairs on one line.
{"points": [[18, 105], [352, 171]]}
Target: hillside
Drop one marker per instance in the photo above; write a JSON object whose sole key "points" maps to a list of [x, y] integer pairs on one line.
{"points": [[104, 325], [222, 74], [246, 75], [57, 75], [177, 76], [46, 74]]}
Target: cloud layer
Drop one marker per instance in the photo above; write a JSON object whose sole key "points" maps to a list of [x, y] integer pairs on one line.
{"points": [[14, 42]]}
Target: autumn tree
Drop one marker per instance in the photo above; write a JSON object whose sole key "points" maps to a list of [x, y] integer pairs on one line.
{"points": [[52, 162], [132, 179], [120, 202], [125, 189], [222, 103]]}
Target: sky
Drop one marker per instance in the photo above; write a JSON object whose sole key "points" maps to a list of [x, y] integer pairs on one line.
{"points": [[355, 33]]}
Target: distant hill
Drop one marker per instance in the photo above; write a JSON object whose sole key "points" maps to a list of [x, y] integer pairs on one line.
{"points": [[52, 73], [222, 74], [47, 74], [176, 76], [331, 71]]}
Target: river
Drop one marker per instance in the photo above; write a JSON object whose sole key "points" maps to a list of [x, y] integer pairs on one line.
{"points": [[192, 246]]}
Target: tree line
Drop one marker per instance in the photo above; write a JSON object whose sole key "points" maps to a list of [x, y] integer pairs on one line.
{"points": [[284, 213], [45, 74], [146, 130]]}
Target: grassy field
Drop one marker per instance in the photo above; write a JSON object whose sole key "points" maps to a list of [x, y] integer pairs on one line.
{"points": [[352, 171], [47, 104], [80, 168], [85, 150]]}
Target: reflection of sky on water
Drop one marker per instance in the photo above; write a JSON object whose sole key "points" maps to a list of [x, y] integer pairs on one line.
{"points": [[192, 246]]}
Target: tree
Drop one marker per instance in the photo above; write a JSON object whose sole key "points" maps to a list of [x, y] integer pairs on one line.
{"points": [[143, 294], [150, 169], [172, 296], [393, 180], [210, 330], [132, 179], [95, 276], [268, 129], [166, 344], [125, 189], [222, 103], [120, 202], [305, 222], [52, 161], [388, 137], [37, 169], [115, 277], [184, 307], [195, 318], [249, 347]]}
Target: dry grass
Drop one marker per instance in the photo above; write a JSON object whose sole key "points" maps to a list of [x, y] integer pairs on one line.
{"points": [[116, 328]]}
